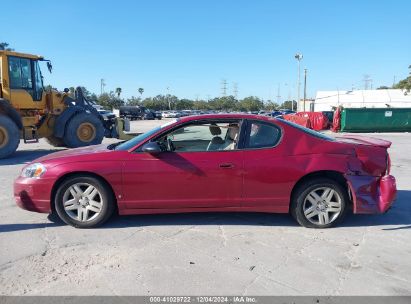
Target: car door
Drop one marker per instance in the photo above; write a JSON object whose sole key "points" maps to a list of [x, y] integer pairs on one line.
{"points": [[266, 186], [188, 174]]}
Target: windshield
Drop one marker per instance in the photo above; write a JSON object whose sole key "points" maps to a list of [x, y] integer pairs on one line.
{"points": [[127, 145], [309, 131]]}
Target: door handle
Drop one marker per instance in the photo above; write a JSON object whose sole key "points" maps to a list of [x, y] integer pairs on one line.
{"points": [[226, 165]]}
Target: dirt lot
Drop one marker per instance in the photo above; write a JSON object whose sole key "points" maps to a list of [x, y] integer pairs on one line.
{"points": [[207, 254]]}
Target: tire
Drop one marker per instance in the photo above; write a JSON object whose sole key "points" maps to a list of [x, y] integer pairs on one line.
{"points": [[319, 203], [55, 141], [74, 209], [9, 136], [75, 137]]}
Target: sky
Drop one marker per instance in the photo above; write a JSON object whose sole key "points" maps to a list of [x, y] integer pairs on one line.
{"points": [[187, 48]]}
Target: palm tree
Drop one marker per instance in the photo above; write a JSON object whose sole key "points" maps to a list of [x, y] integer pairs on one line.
{"points": [[118, 92], [141, 91]]}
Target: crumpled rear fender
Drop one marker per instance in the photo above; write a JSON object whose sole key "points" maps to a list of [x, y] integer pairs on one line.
{"points": [[371, 194]]}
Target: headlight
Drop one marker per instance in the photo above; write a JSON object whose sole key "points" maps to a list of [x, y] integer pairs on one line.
{"points": [[34, 171]]}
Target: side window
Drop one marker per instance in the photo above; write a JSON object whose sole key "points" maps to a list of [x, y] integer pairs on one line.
{"points": [[262, 135], [202, 137], [20, 73], [15, 72]]}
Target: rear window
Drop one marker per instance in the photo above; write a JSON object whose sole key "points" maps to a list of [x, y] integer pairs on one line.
{"points": [[262, 135], [309, 131]]}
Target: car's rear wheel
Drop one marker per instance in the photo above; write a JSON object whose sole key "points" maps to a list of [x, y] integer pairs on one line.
{"points": [[84, 202], [319, 203]]}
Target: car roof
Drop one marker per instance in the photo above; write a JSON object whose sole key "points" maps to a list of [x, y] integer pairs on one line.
{"points": [[228, 116]]}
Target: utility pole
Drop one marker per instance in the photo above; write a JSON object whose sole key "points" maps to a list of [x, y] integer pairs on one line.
{"points": [[299, 57], [305, 86], [278, 95], [224, 87], [102, 85]]}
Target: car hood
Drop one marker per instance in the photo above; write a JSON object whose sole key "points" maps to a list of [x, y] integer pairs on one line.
{"points": [[74, 152]]}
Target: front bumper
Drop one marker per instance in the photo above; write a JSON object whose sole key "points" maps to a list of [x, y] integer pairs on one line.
{"points": [[372, 194], [33, 194]]}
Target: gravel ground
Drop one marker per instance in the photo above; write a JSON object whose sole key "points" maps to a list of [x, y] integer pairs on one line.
{"points": [[205, 254]]}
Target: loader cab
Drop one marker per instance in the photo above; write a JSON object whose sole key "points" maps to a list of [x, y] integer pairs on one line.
{"points": [[25, 74], [22, 81]]}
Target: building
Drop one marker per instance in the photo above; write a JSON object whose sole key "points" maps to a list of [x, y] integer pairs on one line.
{"points": [[329, 100]]}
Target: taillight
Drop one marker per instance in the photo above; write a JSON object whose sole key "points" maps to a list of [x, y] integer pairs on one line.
{"points": [[388, 163]]}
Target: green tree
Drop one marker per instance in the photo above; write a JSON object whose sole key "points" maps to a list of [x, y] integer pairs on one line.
{"points": [[134, 101], [271, 106], [4, 46], [225, 103], [160, 102], [141, 91], [250, 103], [118, 92], [200, 105], [184, 104], [110, 101], [287, 105], [404, 84]]}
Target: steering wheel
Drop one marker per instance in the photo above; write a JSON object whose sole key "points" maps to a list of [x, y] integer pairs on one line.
{"points": [[170, 145]]}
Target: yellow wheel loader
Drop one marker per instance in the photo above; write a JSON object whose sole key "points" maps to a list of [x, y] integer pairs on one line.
{"points": [[29, 112]]}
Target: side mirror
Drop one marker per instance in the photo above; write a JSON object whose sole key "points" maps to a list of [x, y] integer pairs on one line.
{"points": [[49, 66], [151, 147]]}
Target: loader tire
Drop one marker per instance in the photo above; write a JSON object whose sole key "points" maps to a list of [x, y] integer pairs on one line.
{"points": [[9, 136], [55, 141], [83, 129]]}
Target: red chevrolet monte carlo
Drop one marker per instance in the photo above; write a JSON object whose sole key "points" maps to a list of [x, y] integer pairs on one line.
{"points": [[230, 162]]}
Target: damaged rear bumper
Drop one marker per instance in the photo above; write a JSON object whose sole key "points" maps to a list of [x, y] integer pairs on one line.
{"points": [[371, 194]]}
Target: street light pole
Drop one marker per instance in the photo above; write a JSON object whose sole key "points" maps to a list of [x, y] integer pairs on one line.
{"points": [[299, 57], [305, 86], [168, 98]]}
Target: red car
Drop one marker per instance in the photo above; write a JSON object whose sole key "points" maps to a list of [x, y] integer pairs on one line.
{"points": [[227, 162]]}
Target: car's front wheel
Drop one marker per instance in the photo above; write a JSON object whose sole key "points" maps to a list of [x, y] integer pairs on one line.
{"points": [[84, 202], [319, 203]]}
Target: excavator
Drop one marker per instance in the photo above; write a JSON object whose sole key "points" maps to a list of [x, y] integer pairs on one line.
{"points": [[29, 112]]}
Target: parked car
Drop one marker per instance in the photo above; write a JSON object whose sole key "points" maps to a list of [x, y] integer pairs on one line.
{"points": [[149, 115], [276, 113], [225, 162], [158, 115], [106, 115], [286, 111], [171, 114]]}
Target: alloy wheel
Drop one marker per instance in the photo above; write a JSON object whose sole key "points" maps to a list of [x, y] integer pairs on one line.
{"points": [[82, 202], [322, 206]]}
